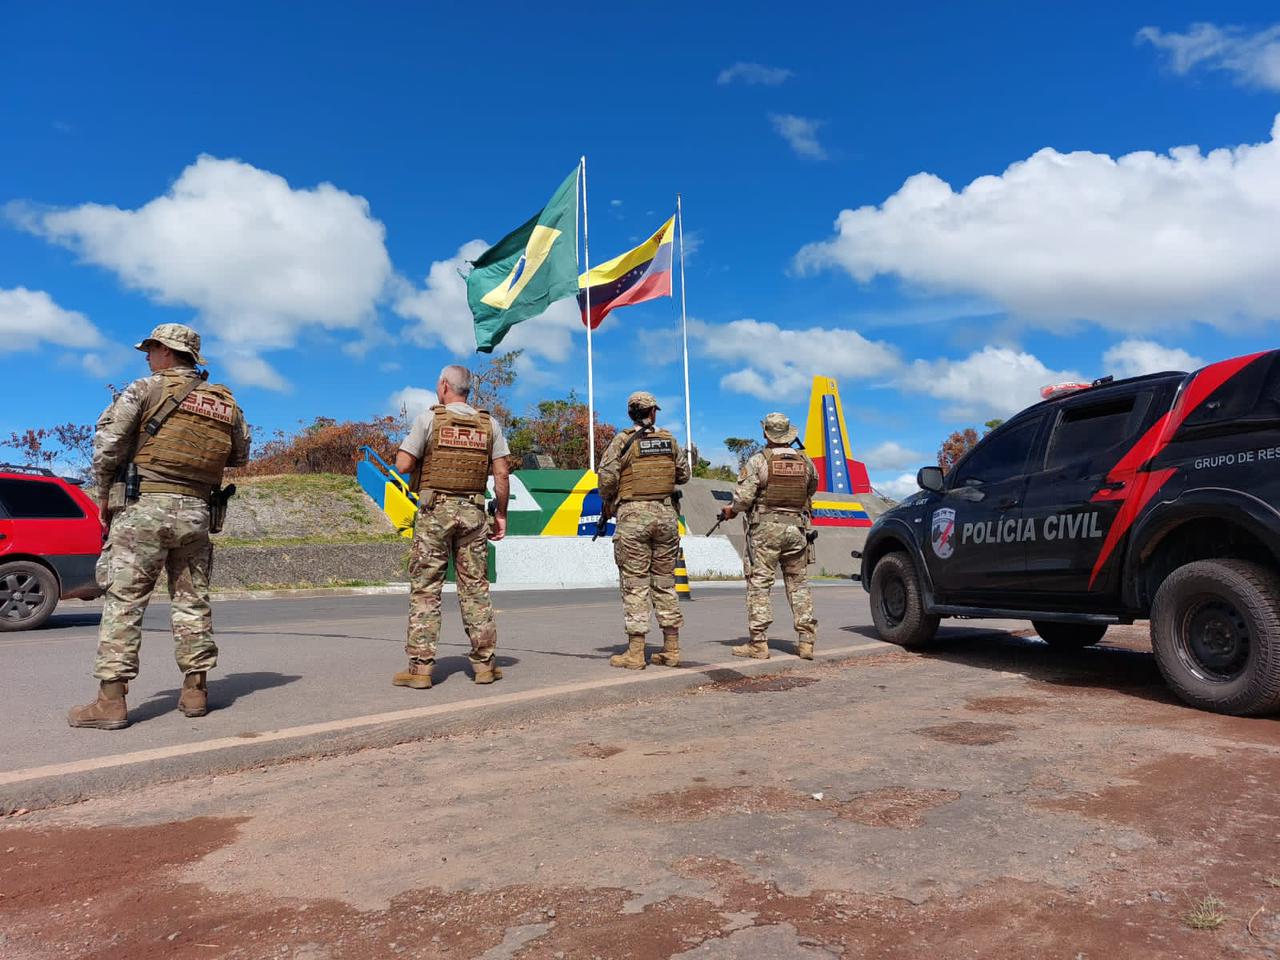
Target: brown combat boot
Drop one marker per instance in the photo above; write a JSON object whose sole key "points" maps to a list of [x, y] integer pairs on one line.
{"points": [[804, 649], [418, 676], [108, 712], [194, 699], [633, 659], [670, 655], [486, 671], [755, 649]]}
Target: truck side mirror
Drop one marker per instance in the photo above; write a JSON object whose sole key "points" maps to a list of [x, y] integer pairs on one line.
{"points": [[930, 478]]}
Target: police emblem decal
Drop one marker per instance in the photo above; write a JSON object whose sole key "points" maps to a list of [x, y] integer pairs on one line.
{"points": [[942, 533]]}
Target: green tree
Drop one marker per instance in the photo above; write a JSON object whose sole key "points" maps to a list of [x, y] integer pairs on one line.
{"points": [[742, 448], [992, 424]]}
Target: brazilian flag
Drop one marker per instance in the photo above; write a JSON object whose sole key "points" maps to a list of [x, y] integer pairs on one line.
{"points": [[527, 270]]}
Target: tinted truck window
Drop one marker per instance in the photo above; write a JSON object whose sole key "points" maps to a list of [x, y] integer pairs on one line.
{"points": [[1084, 432], [34, 500], [1001, 457]]}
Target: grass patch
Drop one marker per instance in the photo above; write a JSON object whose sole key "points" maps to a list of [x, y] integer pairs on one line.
{"points": [[339, 539], [1208, 914], [306, 586]]}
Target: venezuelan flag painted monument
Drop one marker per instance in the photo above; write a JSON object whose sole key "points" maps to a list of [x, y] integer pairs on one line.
{"points": [[826, 442]]}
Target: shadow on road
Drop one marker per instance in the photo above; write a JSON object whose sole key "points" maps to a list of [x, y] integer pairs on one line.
{"points": [[446, 667], [1127, 672], [86, 618], [223, 692]]}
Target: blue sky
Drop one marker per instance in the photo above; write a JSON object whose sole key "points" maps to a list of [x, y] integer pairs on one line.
{"points": [[943, 210]]}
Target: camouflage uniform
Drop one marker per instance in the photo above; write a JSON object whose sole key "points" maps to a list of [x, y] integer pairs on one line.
{"points": [[159, 532], [166, 529], [454, 524], [773, 539], [646, 542]]}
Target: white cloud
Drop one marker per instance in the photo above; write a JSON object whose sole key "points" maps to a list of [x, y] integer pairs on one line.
{"points": [[780, 364], [441, 316], [898, 488], [251, 370], [1133, 358], [260, 260], [29, 318], [992, 382], [800, 132], [753, 74], [1252, 58], [413, 400], [1133, 243], [891, 455]]}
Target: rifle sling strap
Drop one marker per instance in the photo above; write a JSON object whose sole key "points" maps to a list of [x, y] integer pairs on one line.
{"points": [[170, 405]]}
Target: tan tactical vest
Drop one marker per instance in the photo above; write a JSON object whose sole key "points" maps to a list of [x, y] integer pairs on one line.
{"points": [[649, 468], [190, 451], [787, 486], [458, 452]]}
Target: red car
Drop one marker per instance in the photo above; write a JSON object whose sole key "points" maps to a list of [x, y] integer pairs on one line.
{"points": [[50, 539]]}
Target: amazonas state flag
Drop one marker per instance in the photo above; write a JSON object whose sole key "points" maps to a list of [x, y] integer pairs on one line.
{"points": [[527, 270], [638, 275]]}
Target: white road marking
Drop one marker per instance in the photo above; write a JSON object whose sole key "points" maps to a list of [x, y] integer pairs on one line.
{"points": [[354, 723]]}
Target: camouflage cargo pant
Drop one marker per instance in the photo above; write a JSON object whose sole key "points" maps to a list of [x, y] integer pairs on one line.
{"points": [[771, 544], [460, 528], [161, 532], [646, 542]]}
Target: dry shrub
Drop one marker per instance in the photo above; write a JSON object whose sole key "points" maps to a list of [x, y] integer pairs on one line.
{"points": [[326, 446]]}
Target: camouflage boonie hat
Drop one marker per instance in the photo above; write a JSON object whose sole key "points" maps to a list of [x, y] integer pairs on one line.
{"points": [[778, 429], [642, 400], [175, 336]]}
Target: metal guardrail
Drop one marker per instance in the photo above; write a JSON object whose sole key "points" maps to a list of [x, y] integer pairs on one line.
{"points": [[391, 472]]}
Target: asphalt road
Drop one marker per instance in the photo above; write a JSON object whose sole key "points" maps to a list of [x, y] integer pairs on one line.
{"points": [[286, 663]]}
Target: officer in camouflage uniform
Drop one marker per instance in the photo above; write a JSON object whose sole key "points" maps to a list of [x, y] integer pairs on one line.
{"points": [[180, 432], [774, 491], [638, 474], [451, 449]]}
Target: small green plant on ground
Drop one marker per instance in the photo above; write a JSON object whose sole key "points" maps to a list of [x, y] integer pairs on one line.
{"points": [[1208, 914]]}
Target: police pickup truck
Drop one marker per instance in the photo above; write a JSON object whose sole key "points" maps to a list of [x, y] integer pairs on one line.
{"points": [[1149, 498]]}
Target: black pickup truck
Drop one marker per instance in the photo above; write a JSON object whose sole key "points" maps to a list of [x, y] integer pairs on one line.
{"points": [[1148, 498]]}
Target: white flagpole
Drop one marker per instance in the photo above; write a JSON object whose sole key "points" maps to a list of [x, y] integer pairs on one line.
{"points": [[684, 331], [591, 390]]}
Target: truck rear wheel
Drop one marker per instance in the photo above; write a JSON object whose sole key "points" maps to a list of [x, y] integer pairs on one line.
{"points": [[897, 603], [1215, 629], [1069, 636]]}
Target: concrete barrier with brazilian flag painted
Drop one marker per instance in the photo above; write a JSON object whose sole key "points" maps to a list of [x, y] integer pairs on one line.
{"points": [[551, 516]]}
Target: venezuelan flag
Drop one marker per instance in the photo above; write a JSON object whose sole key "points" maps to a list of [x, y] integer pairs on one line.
{"points": [[638, 275]]}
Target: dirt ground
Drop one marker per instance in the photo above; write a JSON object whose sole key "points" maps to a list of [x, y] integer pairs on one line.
{"points": [[991, 798]]}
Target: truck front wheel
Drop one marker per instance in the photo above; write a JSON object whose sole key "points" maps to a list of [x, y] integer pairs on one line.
{"points": [[897, 603], [1215, 629]]}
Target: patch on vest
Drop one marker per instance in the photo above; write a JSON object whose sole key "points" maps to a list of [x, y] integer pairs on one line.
{"points": [[787, 468], [656, 447], [463, 438], [209, 405]]}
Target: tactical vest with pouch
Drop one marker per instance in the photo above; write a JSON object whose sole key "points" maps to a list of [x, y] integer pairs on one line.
{"points": [[458, 452], [189, 451], [787, 486], [649, 468]]}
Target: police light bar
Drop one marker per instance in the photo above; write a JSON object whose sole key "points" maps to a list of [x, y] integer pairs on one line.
{"points": [[1062, 389]]}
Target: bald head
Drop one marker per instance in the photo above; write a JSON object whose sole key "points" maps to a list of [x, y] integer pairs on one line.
{"points": [[456, 381]]}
